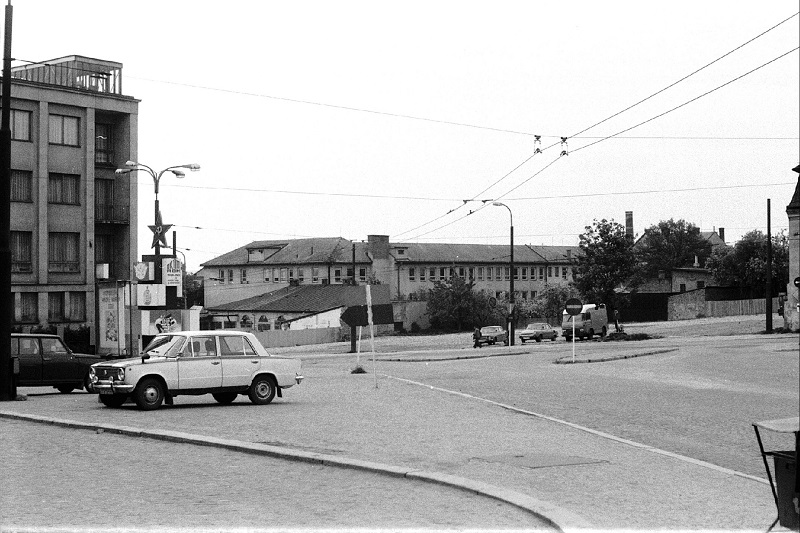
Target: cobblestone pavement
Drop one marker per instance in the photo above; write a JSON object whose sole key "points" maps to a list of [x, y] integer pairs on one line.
{"points": [[73, 478]]}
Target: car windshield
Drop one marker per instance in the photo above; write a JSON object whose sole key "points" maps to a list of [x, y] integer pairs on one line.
{"points": [[165, 345]]}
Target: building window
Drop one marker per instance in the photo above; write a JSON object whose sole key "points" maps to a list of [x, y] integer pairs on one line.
{"points": [[549, 272], [524, 295], [533, 295], [507, 273], [471, 273], [230, 275], [64, 130], [314, 274], [104, 250], [63, 252], [524, 273], [489, 273], [442, 273], [301, 274], [564, 272], [276, 272], [243, 275], [412, 274], [683, 287], [498, 295], [284, 275], [422, 273], [29, 307], [498, 274], [461, 272], [362, 274], [701, 284], [516, 273], [291, 274], [55, 307], [77, 307], [541, 273], [63, 189], [21, 251], [104, 143], [337, 275], [480, 273], [20, 125], [432, 274], [21, 186], [555, 271]]}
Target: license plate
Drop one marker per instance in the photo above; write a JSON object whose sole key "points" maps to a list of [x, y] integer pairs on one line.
{"points": [[103, 391]]}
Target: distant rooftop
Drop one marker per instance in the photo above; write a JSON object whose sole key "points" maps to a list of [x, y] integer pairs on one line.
{"points": [[77, 72]]}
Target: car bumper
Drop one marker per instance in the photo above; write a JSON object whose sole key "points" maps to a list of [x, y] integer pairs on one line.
{"points": [[110, 387]]}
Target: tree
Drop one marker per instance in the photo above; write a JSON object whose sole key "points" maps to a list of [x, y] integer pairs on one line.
{"points": [[605, 263], [549, 303], [670, 244], [745, 264], [454, 304]]}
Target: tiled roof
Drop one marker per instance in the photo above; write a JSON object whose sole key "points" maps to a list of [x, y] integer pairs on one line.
{"points": [[300, 299], [479, 253], [293, 251]]}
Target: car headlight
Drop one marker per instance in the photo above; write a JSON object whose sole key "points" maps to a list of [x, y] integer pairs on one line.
{"points": [[120, 374]]}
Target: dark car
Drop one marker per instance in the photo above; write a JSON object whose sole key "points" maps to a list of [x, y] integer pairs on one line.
{"points": [[44, 360], [492, 335]]}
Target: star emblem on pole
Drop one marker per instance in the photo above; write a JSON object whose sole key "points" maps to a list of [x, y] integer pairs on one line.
{"points": [[159, 232]]}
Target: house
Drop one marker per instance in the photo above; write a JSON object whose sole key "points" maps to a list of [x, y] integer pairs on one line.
{"points": [[72, 218]]}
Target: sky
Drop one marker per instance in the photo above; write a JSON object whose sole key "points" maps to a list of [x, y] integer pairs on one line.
{"points": [[356, 118]]}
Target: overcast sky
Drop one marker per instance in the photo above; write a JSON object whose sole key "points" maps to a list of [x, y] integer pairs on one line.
{"points": [[327, 119]]}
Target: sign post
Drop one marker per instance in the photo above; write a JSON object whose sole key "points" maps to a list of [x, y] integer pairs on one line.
{"points": [[573, 308]]}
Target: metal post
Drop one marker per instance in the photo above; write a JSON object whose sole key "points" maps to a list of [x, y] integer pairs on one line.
{"points": [[769, 270], [7, 392], [511, 290]]}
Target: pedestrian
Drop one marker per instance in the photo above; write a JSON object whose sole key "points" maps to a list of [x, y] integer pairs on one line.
{"points": [[616, 320], [476, 335]]}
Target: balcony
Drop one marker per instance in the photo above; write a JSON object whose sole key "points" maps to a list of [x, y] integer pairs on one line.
{"points": [[111, 214], [77, 72]]}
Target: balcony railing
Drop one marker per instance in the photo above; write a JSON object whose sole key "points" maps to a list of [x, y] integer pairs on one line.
{"points": [[115, 214]]}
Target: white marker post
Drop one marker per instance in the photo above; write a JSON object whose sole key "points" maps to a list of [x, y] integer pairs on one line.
{"points": [[574, 308]]}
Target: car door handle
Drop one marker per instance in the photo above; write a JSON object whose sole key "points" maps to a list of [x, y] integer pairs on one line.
{"points": [[214, 362]]}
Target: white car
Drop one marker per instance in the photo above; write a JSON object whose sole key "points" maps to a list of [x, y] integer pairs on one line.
{"points": [[221, 363]]}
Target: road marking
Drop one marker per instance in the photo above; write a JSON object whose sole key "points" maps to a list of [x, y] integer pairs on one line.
{"points": [[595, 432]]}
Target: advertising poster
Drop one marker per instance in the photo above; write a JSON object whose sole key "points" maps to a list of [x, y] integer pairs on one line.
{"points": [[112, 313], [162, 321], [173, 273], [151, 295]]}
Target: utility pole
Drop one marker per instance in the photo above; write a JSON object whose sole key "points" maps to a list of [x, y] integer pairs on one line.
{"points": [[353, 345], [6, 300], [769, 269]]}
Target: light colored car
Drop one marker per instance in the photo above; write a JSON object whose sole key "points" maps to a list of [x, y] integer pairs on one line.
{"points": [[221, 363], [537, 331]]}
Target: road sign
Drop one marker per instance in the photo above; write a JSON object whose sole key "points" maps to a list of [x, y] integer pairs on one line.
{"points": [[357, 315], [797, 282], [573, 306]]}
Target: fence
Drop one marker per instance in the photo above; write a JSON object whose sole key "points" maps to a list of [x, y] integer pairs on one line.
{"points": [[277, 338], [740, 307]]}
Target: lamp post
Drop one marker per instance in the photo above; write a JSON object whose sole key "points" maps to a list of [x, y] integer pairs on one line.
{"points": [[510, 277], [158, 228]]}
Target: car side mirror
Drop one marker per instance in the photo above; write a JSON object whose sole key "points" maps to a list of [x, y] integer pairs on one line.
{"points": [[145, 357]]}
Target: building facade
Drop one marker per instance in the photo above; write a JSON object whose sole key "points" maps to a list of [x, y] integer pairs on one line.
{"points": [[72, 218], [409, 269]]}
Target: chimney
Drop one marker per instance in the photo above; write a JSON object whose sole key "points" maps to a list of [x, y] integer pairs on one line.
{"points": [[629, 224], [378, 246], [721, 233]]}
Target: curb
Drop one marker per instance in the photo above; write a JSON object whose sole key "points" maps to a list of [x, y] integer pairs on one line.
{"points": [[567, 359], [559, 518]]}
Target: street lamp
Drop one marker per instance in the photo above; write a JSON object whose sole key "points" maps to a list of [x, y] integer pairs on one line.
{"points": [[158, 228], [510, 277]]}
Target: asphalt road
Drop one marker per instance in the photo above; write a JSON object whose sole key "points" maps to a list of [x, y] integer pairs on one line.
{"points": [[698, 400]]}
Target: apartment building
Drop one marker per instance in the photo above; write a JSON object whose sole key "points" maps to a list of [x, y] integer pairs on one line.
{"points": [[407, 268], [72, 218]]}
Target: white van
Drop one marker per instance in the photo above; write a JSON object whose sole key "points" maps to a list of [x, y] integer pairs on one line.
{"points": [[592, 321]]}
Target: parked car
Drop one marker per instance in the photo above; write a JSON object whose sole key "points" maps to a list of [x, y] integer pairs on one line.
{"points": [[221, 363], [492, 335], [44, 360], [537, 331]]}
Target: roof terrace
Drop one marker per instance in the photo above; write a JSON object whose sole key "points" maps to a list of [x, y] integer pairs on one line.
{"points": [[77, 72]]}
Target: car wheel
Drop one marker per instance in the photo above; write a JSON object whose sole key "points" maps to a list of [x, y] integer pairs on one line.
{"points": [[538, 338], [149, 394], [262, 390], [113, 400], [522, 340], [64, 389], [87, 383], [225, 397], [591, 334], [604, 332]]}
